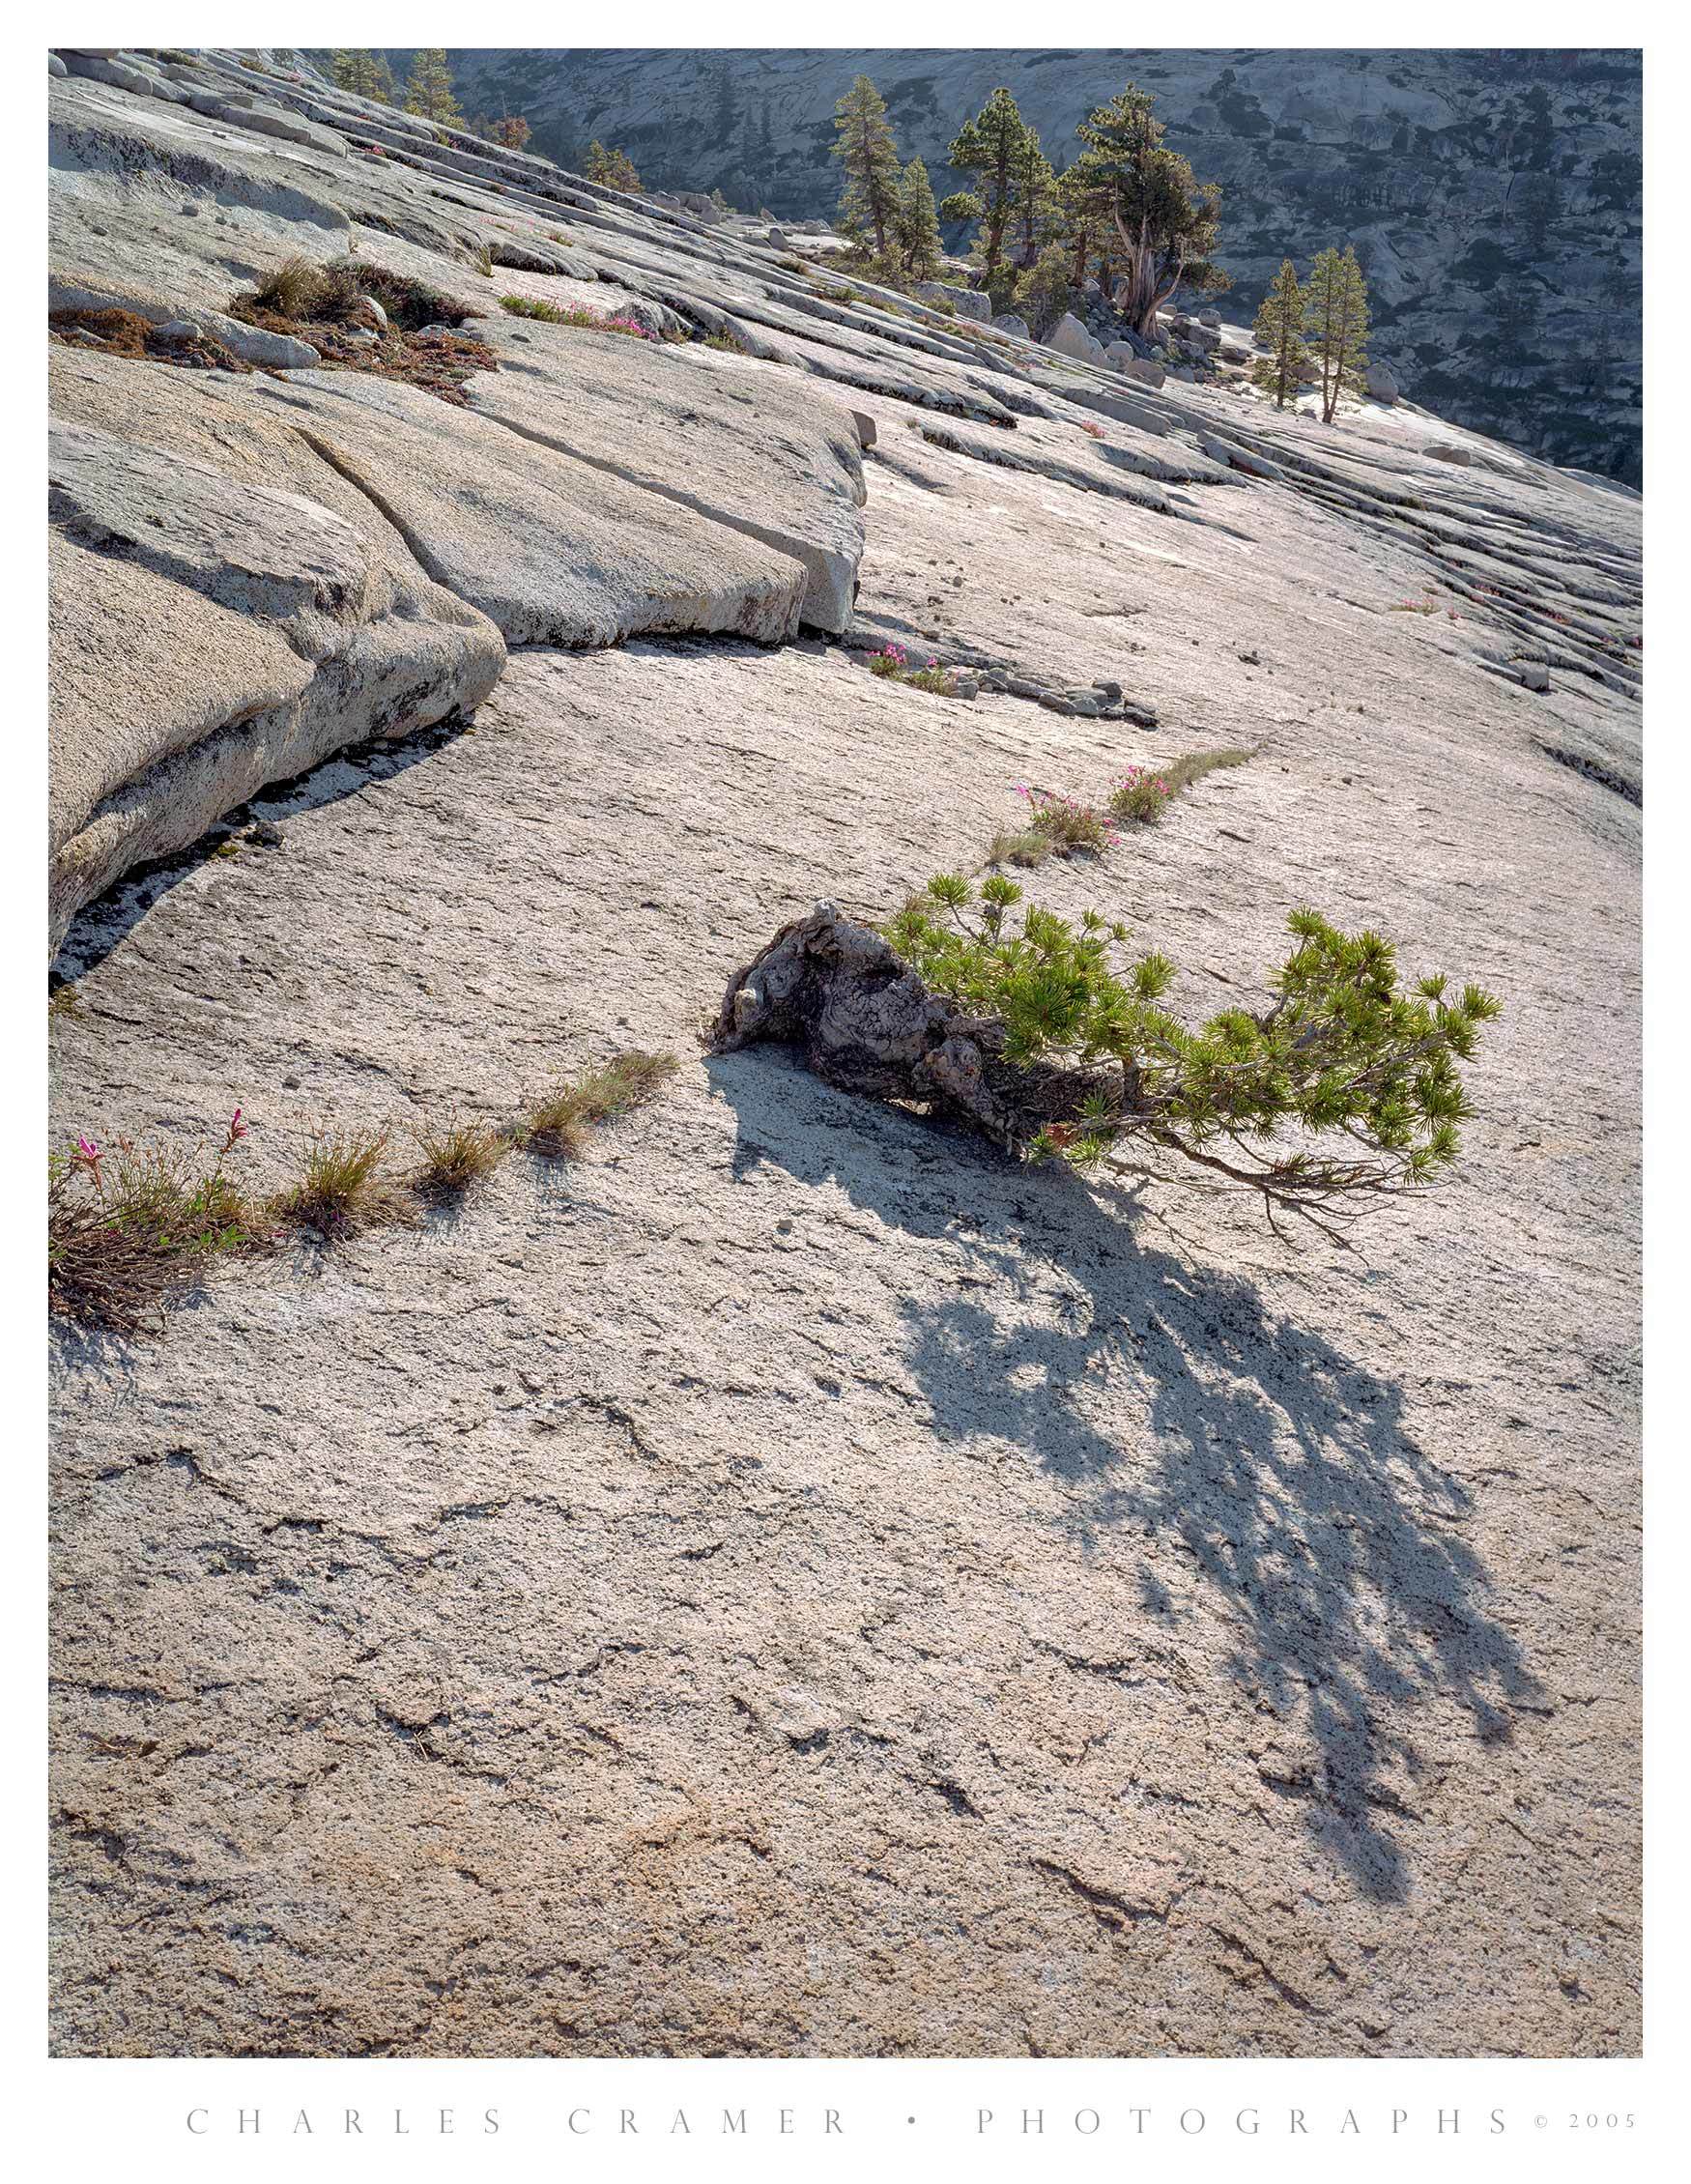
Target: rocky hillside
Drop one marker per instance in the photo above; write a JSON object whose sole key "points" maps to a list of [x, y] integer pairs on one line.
{"points": [[1493, 197], [794, 1579]]}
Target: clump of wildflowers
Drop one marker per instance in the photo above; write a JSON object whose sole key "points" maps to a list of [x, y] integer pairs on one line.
{"points": [[894, 662], [1139, 795], [131, 1227], [1070, 827]]}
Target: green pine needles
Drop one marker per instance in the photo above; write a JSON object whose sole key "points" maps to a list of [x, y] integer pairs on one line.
{"points": [[362, 69], [611, 170], [1097, 1062], [989, 150]]}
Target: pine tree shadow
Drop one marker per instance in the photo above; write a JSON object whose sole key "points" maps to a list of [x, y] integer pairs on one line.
{"points": [[1284, 1465]]}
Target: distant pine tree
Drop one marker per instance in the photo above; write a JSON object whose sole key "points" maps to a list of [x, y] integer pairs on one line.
{"points": [[1336, 316], [1165, 221], [428, 91], [917, 224], [1083, 220], [987, 149], [1279, 329], [359, 70], [864, 146], [510, 130], [1046, 291], [1032, 198]]}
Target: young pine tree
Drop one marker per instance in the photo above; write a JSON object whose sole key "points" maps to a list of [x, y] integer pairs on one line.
{"points": [[987, 149], [1045, 291], [917, 224], [1335, 315], [1348, 1050], [864, 146], [613, 169], [1279, 329], [429, 90]]}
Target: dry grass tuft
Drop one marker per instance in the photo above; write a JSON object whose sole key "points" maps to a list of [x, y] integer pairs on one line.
{"points": [[456, 1156], [559, 1124], [1019, 846], [341, 1184], [1196, 763], [130, 1229], [292, 290], [307, 295]]}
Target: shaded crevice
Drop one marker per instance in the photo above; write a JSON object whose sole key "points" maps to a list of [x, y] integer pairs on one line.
{"points": [[1593, 769]]}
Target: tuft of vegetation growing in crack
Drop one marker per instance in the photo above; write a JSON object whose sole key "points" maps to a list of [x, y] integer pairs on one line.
{"points": [[1100, 1066], [363, 317], [1061, 826], [341, 1185], [1023, 846], [559, 1124], [1144, 793], [133, 1228], [127, 335], [456, 1156], [301, 290], [893, 664], [577, 314]]}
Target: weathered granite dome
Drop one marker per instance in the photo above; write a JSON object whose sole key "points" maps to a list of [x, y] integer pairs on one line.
{"points": [[792, 1580]]}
